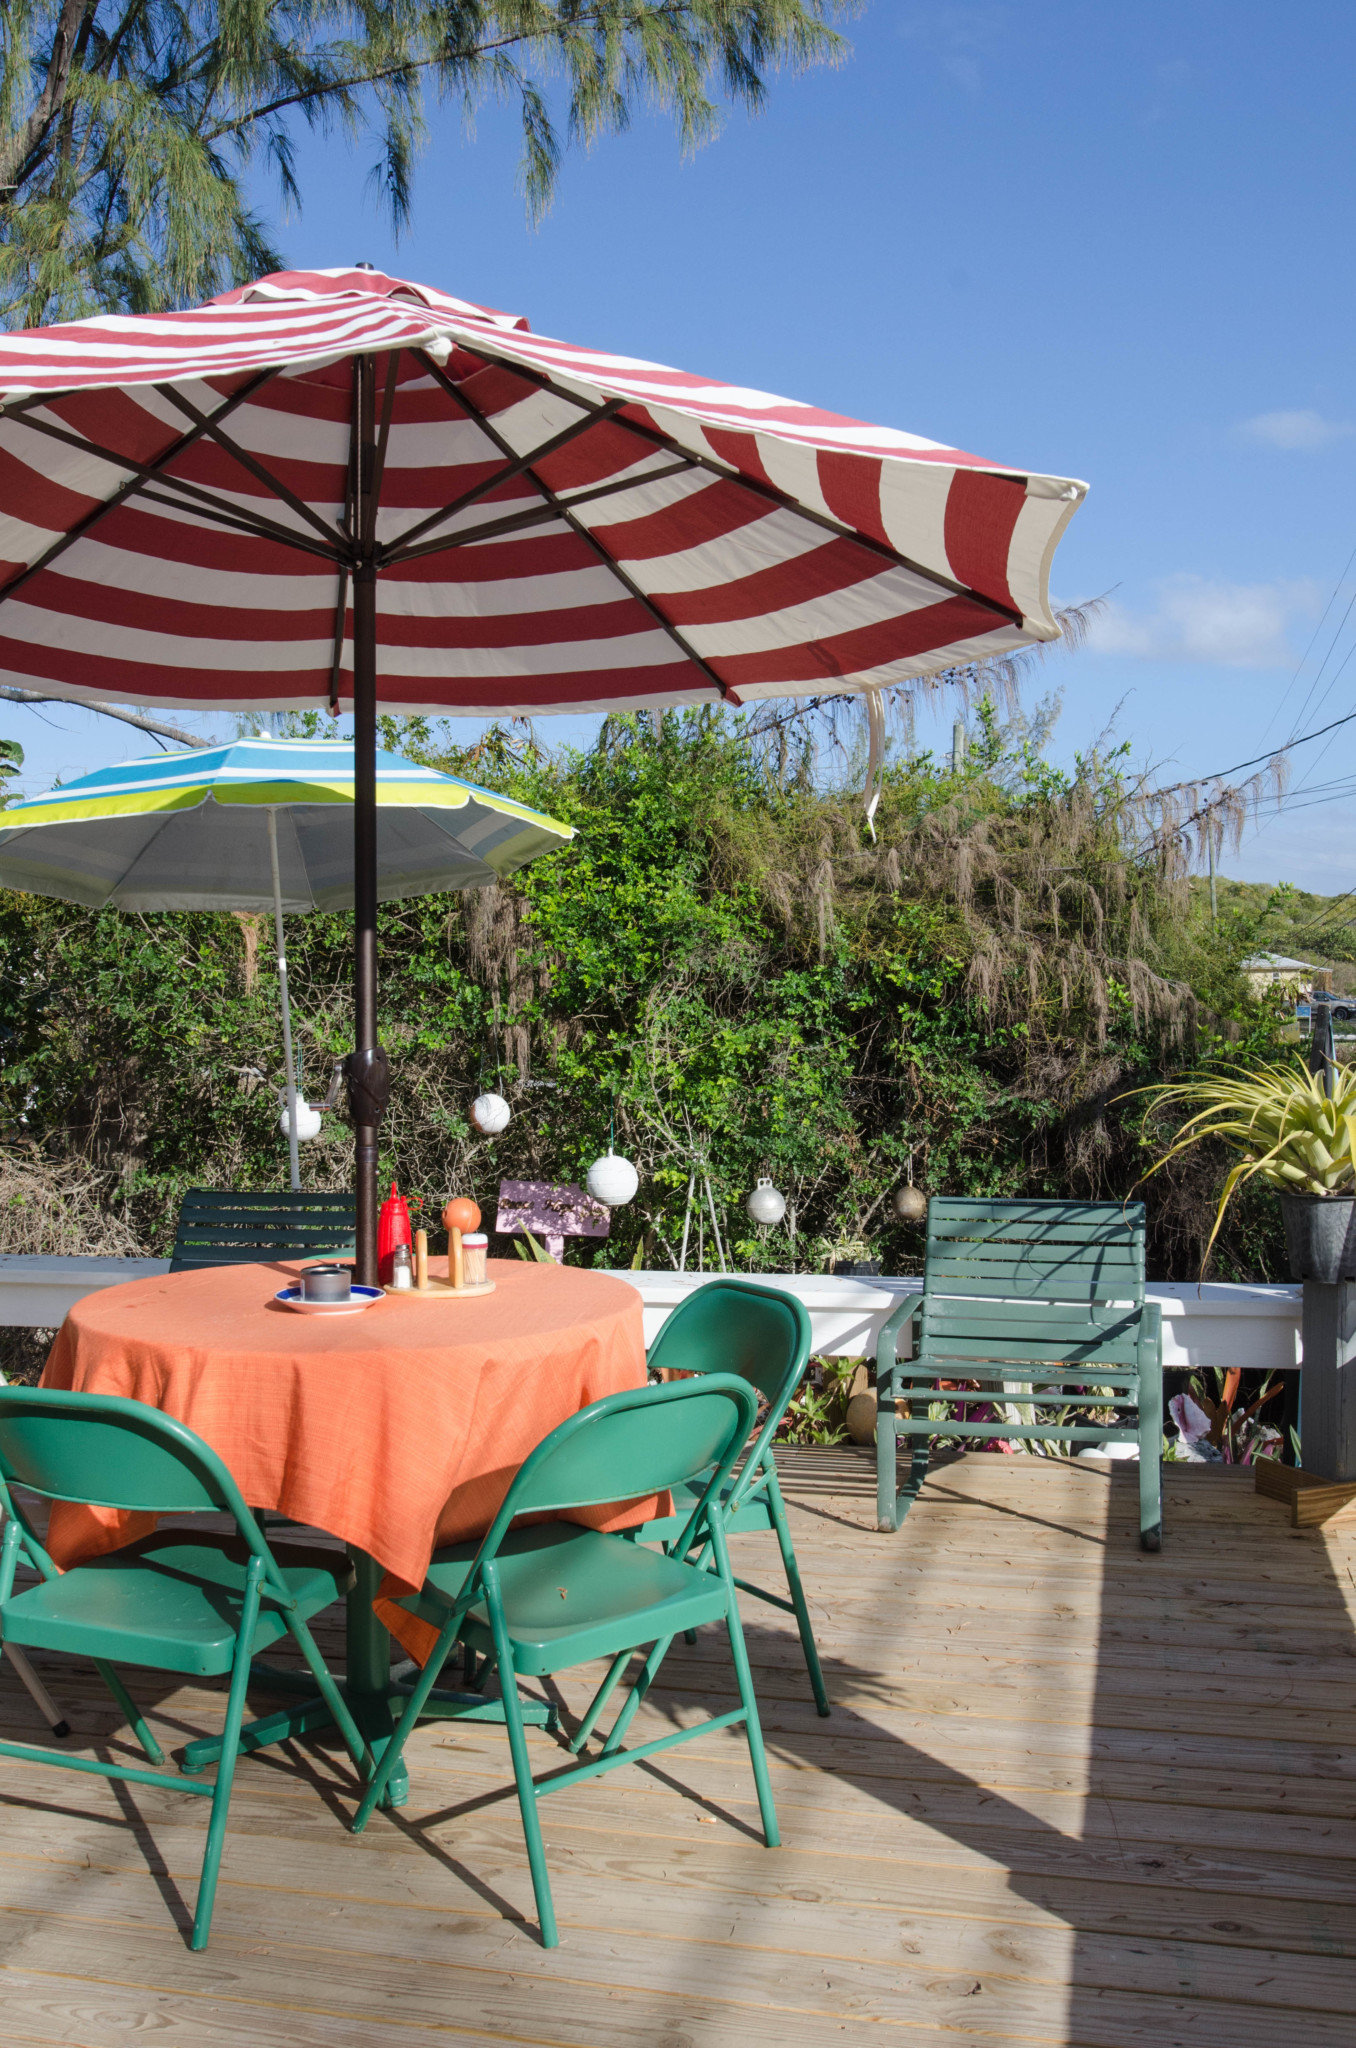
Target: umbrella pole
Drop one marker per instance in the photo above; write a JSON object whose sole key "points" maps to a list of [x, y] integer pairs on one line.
{"points": [[367, 1066], [292, 1159]]}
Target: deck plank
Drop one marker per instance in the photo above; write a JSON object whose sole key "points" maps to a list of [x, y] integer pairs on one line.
{"points": [[1069, 1795]]}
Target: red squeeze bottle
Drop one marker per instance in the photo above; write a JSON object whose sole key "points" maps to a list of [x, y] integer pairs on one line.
{"points": [[393, 1228]]}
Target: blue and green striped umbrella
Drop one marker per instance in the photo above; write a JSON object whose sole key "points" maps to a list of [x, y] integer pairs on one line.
{"points": [[192, 831], [262, 824]]}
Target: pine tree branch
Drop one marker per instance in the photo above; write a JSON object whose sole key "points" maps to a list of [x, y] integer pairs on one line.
{"points": [[51, 101], [475, 53], [12, 695]]}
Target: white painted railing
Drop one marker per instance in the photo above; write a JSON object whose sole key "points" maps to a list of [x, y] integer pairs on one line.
{"points": [[1217, 1324], [1212, 1325]]}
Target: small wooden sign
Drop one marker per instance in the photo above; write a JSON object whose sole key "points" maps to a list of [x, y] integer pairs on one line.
{"points": [[551, 1211]]}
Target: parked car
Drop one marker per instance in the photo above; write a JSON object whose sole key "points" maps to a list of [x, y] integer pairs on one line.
{"points": [[1343, 1010]]}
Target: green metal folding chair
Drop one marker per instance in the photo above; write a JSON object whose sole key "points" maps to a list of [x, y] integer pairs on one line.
{"points": [[763, 1334], [219, 1228], [181, 1600], [544, 1598]]}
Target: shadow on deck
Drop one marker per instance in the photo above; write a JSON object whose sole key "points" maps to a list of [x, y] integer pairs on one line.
{"points": [[1069, 1794]]}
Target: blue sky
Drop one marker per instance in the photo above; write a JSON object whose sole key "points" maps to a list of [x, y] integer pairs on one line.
{"points": [[1108, 243]]}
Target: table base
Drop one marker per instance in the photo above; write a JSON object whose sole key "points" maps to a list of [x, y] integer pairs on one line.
{"points": [[375, 1714], [373, 1696]]}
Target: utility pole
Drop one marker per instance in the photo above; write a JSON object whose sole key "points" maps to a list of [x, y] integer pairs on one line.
{"points": [[958, 746], [1210, 848]]}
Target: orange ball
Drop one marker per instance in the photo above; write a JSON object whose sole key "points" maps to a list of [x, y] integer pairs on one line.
{"points": [[461, 1214]]}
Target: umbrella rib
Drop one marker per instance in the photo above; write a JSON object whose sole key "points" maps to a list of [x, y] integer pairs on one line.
{"points": [[249, 462], [195, 497], [729, 474], [340, 622], [517, 522], [242, 522], [577, 526], [124, 491], [492, 483], [379, 457]]}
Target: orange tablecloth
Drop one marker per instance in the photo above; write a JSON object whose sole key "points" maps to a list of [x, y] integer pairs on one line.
{"points": [[397, 1430]]}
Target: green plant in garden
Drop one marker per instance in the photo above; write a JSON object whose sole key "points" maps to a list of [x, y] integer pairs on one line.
{"points": [[722, 959], [1292, 1134]]}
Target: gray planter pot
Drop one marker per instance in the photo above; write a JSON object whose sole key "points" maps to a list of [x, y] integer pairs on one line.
{"points": [[1320, 1236]]}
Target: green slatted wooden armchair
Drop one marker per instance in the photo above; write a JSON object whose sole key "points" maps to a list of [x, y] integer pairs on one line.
{"points": [[1041, 1303], [223, 1229], [179, 1600]]}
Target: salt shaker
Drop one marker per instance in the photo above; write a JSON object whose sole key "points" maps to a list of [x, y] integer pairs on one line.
{"points": [[402, 1269], [474, 1246]]}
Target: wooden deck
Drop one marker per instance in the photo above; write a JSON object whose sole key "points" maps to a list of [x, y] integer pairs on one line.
{"points": [[1068, 1794]]}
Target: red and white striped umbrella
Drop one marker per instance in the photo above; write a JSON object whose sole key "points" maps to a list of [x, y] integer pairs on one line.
{"points": [[336, 487], [185, 499]]}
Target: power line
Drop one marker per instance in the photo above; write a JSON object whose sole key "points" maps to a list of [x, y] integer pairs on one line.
{"points": [[1257, 759], [1332, 645], [1310, 648]]}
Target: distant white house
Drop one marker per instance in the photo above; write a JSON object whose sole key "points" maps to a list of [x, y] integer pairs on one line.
{"points": [[1274, 970]]}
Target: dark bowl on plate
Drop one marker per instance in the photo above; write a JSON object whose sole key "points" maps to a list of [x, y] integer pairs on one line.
{"points": [[327, 1282]]}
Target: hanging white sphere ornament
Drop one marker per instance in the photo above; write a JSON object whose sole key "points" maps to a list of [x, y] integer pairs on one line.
{"points": [[308, 1122], [765, 1204], [612, 1180], [911, 1204], [490, 1114]]}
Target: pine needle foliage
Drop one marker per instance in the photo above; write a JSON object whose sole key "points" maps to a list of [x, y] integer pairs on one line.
{"points": [[129, 129]]}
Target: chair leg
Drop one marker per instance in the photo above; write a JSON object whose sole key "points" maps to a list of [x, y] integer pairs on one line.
{"points": [[1151, 1458], [658, 1652], [230, 1745], [131, 1711], [414, 1707], [600, 1700], [777, 1507], [753, 1727], [330, 1693], [522, 1767], [41, 1698], [887, 1510]]}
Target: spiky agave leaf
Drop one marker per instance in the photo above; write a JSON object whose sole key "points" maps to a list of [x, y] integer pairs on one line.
{"points": [[1291, 1132]]}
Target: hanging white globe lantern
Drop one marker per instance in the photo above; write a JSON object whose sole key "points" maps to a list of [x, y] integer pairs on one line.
{"points": [[766, 1204], [490, 1114], [612, 1180], [308, 1122]]}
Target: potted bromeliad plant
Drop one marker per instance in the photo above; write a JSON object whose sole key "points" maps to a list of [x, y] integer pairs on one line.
{"points": [[1292, 1134]]}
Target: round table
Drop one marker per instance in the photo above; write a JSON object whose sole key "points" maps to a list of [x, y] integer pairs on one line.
{"points": [[397, 1429]]}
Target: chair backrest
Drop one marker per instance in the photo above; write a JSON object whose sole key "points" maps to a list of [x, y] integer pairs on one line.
{"points": [[105, 1451], [1036, 1251], [631, 1444], [224, 1229], [761, 1333], [1034, 1281]]}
